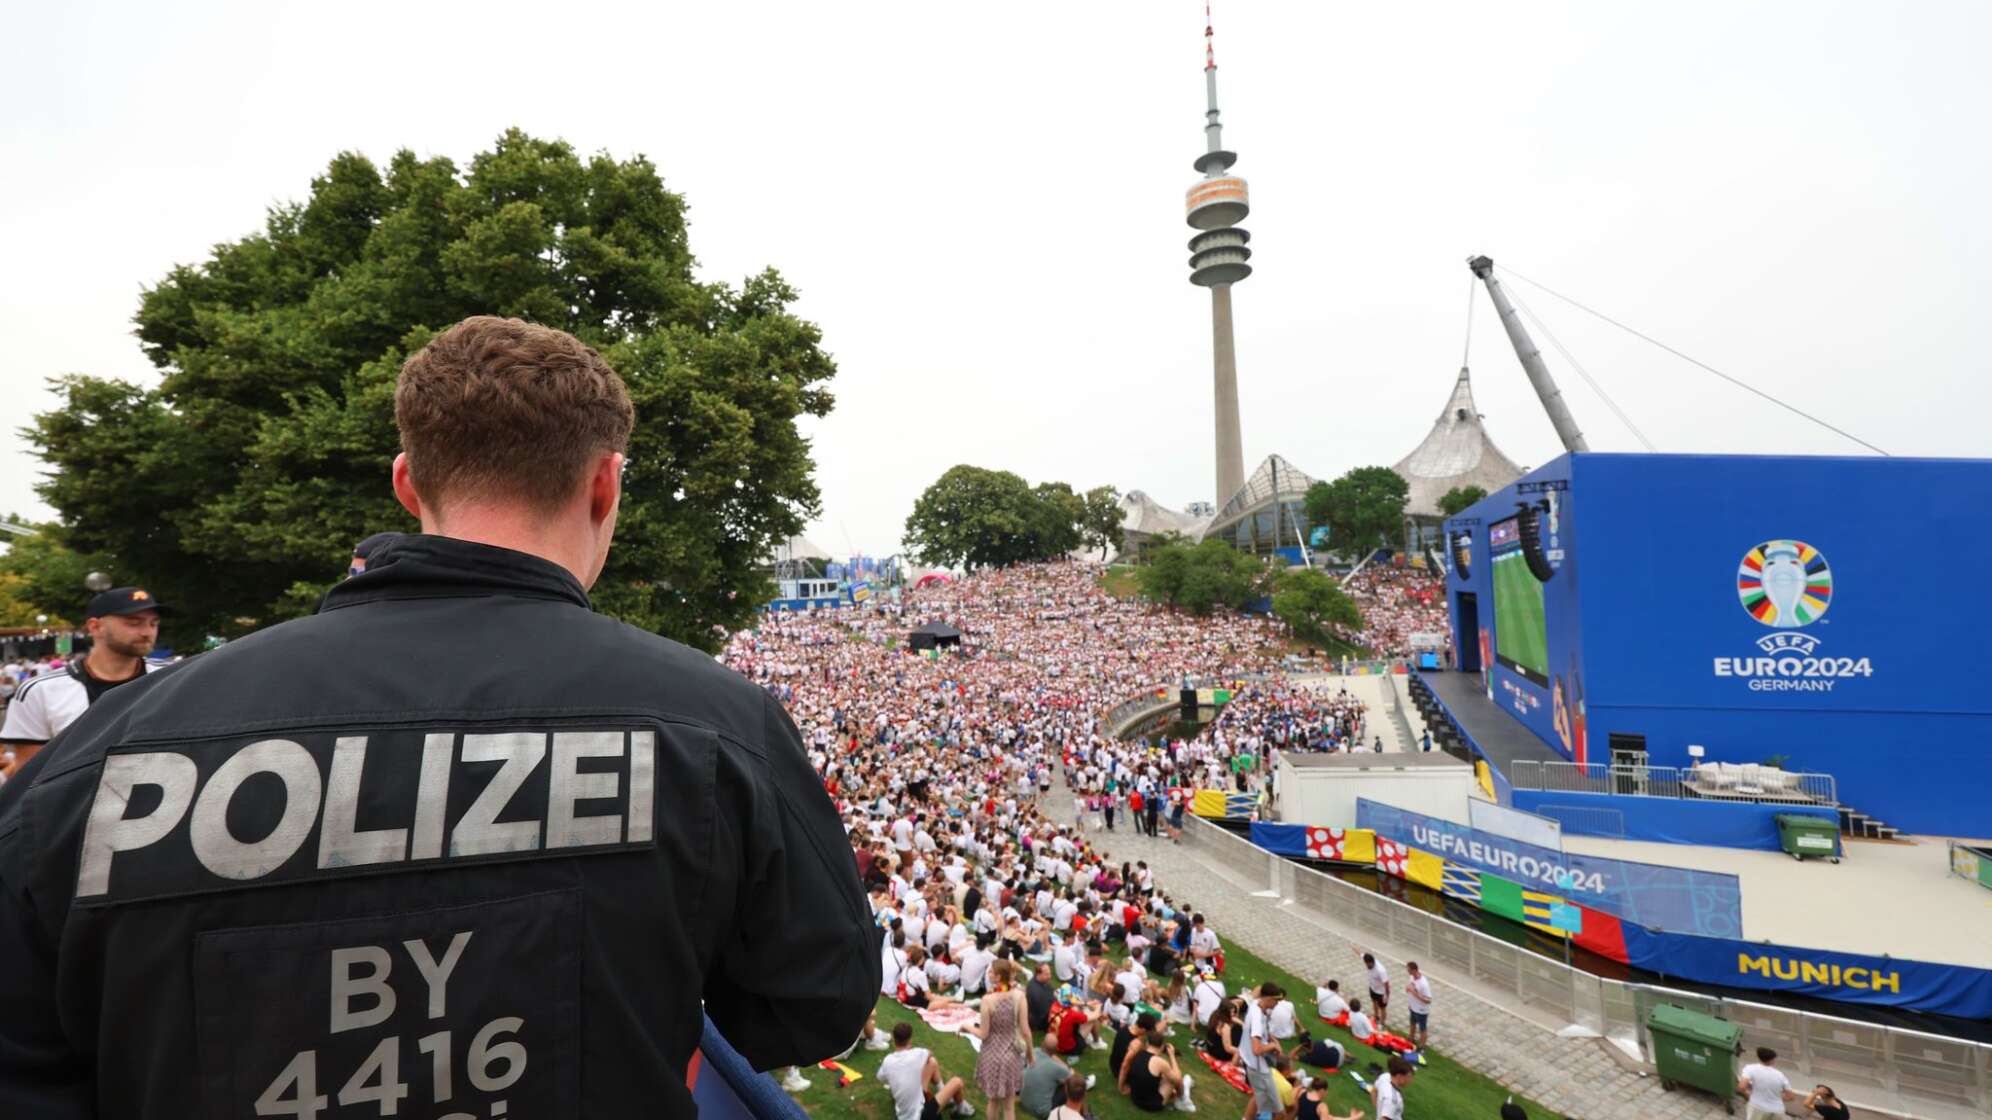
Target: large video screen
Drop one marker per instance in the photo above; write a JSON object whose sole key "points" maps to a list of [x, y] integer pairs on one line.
{"points": [[1521, 640]]}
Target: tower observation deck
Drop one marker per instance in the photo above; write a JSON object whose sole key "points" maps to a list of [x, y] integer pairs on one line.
{"points": [[1219, 258]]}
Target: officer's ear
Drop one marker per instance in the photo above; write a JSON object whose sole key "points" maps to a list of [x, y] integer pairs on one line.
{"points": [[404, 487], [605, 487]]}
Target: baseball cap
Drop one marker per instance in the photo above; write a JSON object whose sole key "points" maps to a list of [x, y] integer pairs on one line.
{"points": [[122, 600]]}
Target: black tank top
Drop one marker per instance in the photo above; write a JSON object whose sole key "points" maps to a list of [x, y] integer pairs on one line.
{"points": [[1144, 1088]]}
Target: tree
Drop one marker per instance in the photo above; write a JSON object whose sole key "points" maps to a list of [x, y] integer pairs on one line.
{"points": [[1460, 497], [1100, 525], [1363, 509], [973, 517], [40, 575], [1061, 516], [236, 487], [1315, 608], [1200, 578]]}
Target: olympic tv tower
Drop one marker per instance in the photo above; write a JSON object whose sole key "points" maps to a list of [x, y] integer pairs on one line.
{"points": [[1218, 256]]}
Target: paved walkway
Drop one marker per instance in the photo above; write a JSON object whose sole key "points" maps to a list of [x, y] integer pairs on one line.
{"points": [[1577, 1077]]}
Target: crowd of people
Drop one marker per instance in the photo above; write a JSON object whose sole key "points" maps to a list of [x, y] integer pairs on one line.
{"points": [[1277, 714], [1002, 918], [1397, 602]]}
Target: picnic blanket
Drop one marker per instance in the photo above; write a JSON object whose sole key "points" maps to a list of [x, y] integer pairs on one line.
{"points": [[953, 1018], [1231, 1075]]}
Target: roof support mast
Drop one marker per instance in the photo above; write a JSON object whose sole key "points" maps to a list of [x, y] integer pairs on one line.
{"points": [[1525, 349]]}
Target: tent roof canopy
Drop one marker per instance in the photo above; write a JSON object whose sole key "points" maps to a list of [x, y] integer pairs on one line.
{"points": [[1457, 452]]}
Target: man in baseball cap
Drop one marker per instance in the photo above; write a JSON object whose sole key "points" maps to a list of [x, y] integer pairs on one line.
{"points": [[123, 624]]}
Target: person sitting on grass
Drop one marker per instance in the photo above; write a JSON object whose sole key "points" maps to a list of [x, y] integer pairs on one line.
{"points": [[1044, 1079], [1221, 1035], [919, 1089], [1313, 1104], [1367, 1034], [1150, 1075], [1074, 1107], [916, 988], [1329, 1004]]}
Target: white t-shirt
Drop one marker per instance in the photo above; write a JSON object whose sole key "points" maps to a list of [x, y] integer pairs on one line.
{"points": [[1360, 1026], [1203, 942], [1768, 1086], [891, 962], [1281, 1020], [1379, 980], [1329, 1004], [1061, 914], [975, 969], [1129, 983], [45, 706], [902, 1071], [916, 981], [902, 834], [1256, 1027], [1389, 1102], [1208, 995], [1418, 993], [1067, 955]]}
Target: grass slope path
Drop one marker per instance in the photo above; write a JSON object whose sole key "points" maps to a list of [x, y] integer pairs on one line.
{"points": [[1573, 1077]]}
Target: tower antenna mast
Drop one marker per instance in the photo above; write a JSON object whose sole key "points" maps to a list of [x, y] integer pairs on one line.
{"points": [[1214, 206]]}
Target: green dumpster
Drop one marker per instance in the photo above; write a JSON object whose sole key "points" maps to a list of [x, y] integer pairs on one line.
{"points": [[1804, 836], [1694, 1049]]}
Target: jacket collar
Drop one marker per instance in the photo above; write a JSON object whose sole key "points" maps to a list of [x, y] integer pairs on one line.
{"points": [[423, 566]]}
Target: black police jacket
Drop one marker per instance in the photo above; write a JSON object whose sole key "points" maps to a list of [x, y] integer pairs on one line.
{"points": [[455, 846]]}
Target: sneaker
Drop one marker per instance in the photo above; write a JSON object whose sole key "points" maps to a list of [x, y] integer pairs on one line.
{"points": [[877, 1043], [1091, 1078], [1184, 1103], [795, 1082], [963, 1108], [1100, 1043]]}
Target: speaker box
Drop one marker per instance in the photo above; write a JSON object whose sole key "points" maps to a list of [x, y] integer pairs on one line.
{"points": [[1529, 523]]}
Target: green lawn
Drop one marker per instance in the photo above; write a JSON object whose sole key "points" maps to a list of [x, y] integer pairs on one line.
{"points": [[1121, 582], [1441, 1088]]}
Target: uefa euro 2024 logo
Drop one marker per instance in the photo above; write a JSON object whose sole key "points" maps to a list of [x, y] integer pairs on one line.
{"points": [[1787, 585]]}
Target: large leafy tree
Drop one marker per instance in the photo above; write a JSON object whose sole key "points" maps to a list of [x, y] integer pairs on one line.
{"points": [[974, 517], [41, 575], [1363, 509], [1315, 608], [1202, 577], [1100, 523], [236, 487], [1460, 497]]}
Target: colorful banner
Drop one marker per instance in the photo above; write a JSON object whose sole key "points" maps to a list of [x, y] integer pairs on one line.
{"points": [[1671, 898], [1849, 977], [1409, 864], [1218, 803]]}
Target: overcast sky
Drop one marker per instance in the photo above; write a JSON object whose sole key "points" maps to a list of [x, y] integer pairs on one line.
{"points": [[982, 206]]}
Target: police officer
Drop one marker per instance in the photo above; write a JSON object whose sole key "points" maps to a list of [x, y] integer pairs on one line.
{"points": [[123, 624], [455, 847]]}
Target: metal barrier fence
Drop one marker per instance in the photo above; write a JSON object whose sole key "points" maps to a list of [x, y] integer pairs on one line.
{"points": [[1885, 1068], [1772, 786], [1972, 863]]}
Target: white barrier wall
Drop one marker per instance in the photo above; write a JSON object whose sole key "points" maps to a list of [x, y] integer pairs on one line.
{"points": [[1322, 789]]}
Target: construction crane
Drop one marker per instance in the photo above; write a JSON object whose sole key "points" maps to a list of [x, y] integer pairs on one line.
{"points": [[1525, 349]]}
